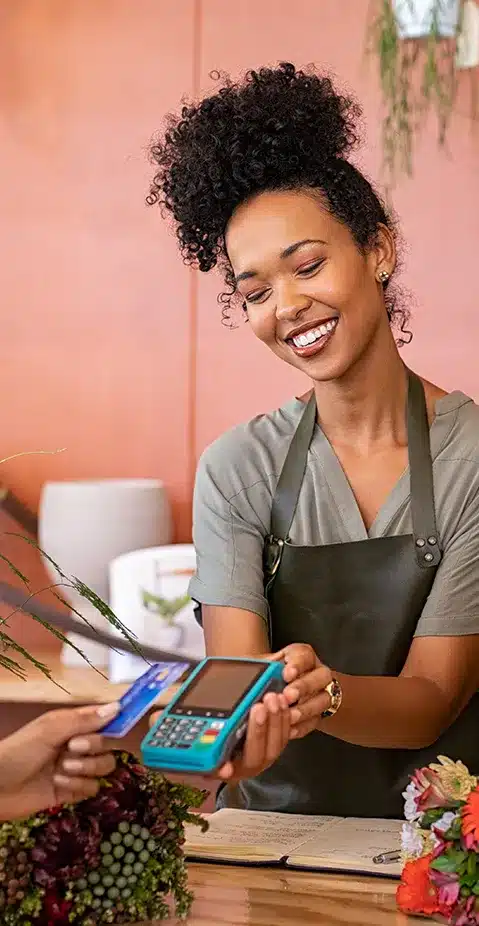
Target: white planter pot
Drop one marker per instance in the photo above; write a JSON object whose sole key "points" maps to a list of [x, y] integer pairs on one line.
{"points": [[85, 524], [468, 40], [164, 571], [415, 17]]}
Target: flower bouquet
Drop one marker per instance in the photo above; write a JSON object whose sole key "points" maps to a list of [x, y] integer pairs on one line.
{"points": [[114, 858], [440, 845]]}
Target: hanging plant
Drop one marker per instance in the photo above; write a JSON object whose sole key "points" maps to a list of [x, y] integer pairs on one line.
{"points": [[416, 43]]}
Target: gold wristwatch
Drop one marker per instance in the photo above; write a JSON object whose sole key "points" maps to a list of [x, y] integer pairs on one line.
{"points": [[335, 692]]}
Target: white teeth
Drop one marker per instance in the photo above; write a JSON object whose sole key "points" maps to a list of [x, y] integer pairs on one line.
{"points": [[309, 337]]}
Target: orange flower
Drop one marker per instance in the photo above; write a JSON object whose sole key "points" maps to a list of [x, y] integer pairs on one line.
{"points": [[416, 892], [470, 821]]}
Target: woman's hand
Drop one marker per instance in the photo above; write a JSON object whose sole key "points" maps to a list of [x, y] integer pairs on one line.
{"points": [[267, 735], [306, 679], [58, 758]]}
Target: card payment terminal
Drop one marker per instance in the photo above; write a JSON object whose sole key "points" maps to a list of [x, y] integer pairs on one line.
{"points": [[205, 722]]}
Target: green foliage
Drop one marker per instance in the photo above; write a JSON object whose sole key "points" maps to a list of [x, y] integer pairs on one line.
{"points": [[115, 858], [72, 582], [167, 609], [417, 76]]}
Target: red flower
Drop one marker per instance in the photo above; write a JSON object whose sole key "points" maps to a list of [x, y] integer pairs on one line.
{"points": [[416, 893], [470, 821], [56, 909]]}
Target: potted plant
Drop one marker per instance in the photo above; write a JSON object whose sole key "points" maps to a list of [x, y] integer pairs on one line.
{"points": [[416, 43], [167, 610], [415, 18]]}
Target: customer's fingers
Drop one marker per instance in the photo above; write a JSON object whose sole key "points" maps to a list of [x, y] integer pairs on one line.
{"points": [[70, 790], [94, 767], [55, 728], [92, 745]]}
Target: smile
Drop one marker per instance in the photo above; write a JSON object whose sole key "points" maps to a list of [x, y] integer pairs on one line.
{"points": [[311, 342]]}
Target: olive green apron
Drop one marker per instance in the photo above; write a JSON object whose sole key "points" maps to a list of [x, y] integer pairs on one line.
{"points": [[357, 604]]}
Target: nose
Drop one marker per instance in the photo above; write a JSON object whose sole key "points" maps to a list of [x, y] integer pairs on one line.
{"points": [[290, 303]]}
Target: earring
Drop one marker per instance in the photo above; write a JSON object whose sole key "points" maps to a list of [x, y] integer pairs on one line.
{"points": [[383, 276]]}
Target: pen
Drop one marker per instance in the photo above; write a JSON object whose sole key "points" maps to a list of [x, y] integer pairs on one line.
{"points": [[386, 857]]}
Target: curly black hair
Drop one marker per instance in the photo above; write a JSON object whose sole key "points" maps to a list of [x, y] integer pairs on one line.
{"points": [[278, 128]]}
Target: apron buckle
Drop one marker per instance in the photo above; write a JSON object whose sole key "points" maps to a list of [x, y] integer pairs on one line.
{"points": [[428, 552], [273, 550]]}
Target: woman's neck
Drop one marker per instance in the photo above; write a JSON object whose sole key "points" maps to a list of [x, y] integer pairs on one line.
{"points": [[366, 407]]}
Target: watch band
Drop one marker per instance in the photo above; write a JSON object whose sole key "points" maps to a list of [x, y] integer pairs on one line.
{"points": [[335, 692]]}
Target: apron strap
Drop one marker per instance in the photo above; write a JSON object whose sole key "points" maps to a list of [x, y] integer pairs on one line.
{"points": [[292, 474], [426, 540], [423, 512]]}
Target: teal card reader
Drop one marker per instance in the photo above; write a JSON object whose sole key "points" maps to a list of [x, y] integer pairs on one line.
{"points": [[206, 720]]}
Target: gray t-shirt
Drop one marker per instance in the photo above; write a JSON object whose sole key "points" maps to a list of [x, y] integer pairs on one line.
{"points": [[235, 484]]}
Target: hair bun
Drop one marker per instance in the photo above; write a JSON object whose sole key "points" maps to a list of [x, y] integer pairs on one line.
{"points": [[315, 114]]}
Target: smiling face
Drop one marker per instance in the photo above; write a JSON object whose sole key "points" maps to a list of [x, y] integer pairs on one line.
{"points": [[312, 296]]}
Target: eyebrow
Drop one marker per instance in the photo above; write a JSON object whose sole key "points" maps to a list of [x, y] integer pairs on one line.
{"points": [[291, 249]]}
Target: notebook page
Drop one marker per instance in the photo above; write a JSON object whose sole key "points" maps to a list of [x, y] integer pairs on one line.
{"points": [[351, 844], [242, 833]]}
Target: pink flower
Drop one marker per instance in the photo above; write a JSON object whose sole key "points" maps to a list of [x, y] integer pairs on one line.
{"points": [[429, 791], [468, 916], [448, 888]]}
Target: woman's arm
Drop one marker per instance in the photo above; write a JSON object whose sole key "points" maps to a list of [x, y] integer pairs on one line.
{"points": [[440, 677], [234, 632]]}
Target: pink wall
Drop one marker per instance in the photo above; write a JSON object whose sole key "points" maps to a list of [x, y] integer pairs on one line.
{"points": [[439, 211], [110, 347]]}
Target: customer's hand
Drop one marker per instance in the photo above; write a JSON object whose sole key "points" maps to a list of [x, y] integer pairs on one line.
{"points": [[57, 758], [306, 679]]}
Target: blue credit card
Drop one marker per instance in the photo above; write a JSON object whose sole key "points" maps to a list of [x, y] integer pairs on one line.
{"points": [[142, 695]]}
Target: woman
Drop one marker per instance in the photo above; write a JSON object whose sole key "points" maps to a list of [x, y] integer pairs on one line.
{"points": [[58, 758], [341, 531]]}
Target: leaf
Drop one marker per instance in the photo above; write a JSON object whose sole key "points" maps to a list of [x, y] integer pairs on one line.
{"points": [[69, 606], [105, 610], [468, 881], [472, 865], [60, 636], [87, 593], [15, 570], [28, 453], [431, 816], [33, 543], [12, 666], [443, 863], [166, 607], [8, 663]]}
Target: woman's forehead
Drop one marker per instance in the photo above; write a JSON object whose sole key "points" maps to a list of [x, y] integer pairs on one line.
{"points": [[264, 227]]}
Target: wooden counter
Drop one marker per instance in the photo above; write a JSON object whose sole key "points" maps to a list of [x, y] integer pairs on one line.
{"points": [[227, 896], [73, 686]]}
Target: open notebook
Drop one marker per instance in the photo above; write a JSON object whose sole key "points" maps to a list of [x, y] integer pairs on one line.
{"points": [[338, 844]]}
